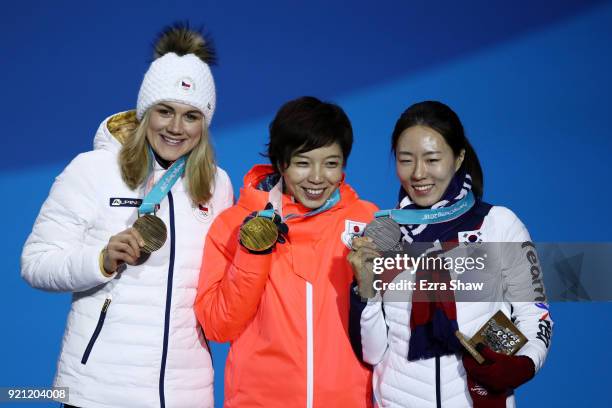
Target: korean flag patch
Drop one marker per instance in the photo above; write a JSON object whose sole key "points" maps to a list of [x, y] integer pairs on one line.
{"points": [[470, 237]]}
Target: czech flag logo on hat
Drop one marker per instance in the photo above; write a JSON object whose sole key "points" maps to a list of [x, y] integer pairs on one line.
{"points": [[186, 84]]}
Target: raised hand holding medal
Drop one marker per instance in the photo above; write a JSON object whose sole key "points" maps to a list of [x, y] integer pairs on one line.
{"points": [[151, 228], [381, 234], [261, 230], [122, 248], [134, 246]]}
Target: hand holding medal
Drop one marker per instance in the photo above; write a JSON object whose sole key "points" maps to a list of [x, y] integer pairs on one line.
{"points": [[123, 248], [149, 233], [361, 258], [134, 246], [381, 234], [261, 230]]}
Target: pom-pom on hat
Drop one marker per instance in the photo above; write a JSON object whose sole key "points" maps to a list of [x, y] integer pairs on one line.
{"points": [[180, 72]]}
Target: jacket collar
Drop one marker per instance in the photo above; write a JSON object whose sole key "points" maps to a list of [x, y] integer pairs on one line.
{"points": [[253, 199], [114, 130]]}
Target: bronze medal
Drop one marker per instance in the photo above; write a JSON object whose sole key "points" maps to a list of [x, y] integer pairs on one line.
{"points": [[258, 234], [144, 256], [153, 232]]}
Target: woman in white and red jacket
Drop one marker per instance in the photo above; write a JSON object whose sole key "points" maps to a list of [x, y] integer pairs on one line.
{"points": [[417, 359], [132, 339]]}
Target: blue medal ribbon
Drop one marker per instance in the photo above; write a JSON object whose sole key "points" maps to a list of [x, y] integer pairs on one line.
{"points": [[431, 215], [162, 187], [331, 201]]}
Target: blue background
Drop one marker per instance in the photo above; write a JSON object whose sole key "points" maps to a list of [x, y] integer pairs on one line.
{"points": [[530, 80]]}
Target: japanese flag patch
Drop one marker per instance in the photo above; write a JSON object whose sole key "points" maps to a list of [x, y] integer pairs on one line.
{"points": [[352, 229]]}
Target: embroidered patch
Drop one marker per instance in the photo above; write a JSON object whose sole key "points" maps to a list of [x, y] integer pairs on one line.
{"points": [[544, 331], [469, 237], [480, 390], [352, 229], [124, 202], [186, 84], [544, 306], [203, 212]]}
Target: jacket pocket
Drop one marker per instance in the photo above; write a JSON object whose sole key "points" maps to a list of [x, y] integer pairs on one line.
{"points": [[97, 331]]}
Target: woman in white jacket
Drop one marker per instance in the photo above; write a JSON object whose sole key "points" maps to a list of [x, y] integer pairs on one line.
{"points": [[132, 339], [408, 335]]}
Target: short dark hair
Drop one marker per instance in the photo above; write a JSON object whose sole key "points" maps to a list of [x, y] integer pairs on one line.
{"points": [[305, 124], [444, 120]]}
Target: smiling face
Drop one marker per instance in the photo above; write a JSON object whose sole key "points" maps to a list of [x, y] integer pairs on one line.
{"points": [[425, 164], [313, 176], [174, 129]]}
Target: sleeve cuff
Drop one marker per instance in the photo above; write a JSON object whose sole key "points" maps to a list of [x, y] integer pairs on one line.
{"points": [[91, 262], [533, 353], [101, 265]]}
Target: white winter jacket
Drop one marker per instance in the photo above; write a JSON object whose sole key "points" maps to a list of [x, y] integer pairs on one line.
{"points": [[131, 340], [385, 328]]}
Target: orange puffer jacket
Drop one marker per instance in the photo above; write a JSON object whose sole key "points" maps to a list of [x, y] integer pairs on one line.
{"points": [[285, 313]]}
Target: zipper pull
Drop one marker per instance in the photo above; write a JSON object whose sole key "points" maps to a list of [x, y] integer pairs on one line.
{"points": [[107, 302]]}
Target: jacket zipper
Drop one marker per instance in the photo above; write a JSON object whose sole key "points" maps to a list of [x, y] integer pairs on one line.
{"points": [[97, 330], [438, 396], [309, 347], [162, 373]]}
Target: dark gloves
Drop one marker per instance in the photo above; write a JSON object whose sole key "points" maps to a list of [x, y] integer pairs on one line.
{"points": [[282, 228], [500, 372]]}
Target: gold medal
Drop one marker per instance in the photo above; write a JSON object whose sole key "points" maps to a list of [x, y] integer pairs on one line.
{"points": [[259, 234], [153, 232]]}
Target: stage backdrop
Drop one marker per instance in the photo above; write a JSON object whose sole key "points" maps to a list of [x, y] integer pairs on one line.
{"points": [[530, 80]]}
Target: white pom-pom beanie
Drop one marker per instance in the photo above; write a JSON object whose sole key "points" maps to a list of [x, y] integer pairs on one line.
{"points": [[183, 79]]}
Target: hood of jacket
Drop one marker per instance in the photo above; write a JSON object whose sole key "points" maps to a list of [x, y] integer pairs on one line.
{"points": [[114, 130], [254, 199]]}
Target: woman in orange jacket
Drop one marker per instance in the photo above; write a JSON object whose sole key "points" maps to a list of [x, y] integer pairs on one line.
{"points": [[285, 308]]}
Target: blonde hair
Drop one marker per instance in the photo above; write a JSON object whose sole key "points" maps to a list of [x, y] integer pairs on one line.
{"points": [[200, 169]]}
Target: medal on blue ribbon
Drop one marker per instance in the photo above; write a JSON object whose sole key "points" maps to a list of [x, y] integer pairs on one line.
{"points": [[430, 215], [152, 229], [385, 228], [260, 233]]}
